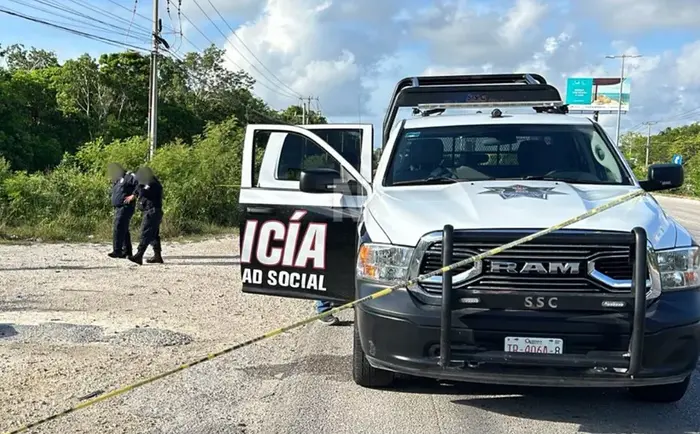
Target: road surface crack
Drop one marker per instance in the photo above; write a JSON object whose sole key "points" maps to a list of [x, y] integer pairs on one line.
{"points": [[437, 415]]}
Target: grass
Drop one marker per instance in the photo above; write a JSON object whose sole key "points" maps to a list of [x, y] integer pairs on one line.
{"points": [[678, 195], [51, 232]]}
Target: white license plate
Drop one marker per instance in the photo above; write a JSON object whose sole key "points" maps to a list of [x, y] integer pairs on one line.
{"points": [[534, 345]]}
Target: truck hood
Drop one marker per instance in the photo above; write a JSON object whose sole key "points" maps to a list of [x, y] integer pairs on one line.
{"points": [[407, 213]]}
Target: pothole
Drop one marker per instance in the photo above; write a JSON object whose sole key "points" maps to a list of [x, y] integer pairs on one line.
{"points": [[79, 334], [57, 333], [148, 337]]}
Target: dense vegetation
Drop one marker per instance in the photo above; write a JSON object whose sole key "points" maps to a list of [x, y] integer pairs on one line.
{"points": [[684, 140], [60, 124]]}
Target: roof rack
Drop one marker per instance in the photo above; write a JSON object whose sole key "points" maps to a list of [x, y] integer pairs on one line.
{"points": [[470, 91]]}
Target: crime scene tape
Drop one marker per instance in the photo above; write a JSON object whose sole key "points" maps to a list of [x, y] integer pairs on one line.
{"points": [[381, 293]]}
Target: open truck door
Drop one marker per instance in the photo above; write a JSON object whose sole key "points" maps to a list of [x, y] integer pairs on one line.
{"points": [[302, 193]]}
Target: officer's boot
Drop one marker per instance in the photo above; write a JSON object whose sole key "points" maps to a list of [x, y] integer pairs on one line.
{"points": [[156, 259], [138, 257]]}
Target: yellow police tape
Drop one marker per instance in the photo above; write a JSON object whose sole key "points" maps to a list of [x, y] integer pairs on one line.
{"points": [[381, 293]]}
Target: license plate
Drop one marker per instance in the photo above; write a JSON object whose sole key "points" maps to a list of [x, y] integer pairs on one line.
{"points": [[534, 345]]}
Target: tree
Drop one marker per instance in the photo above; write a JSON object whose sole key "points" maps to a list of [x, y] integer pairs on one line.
{"points": [[126, 76], [683, 140], [50, 109], [18, 58], [81, 90], [294, 114], [34, 133]]}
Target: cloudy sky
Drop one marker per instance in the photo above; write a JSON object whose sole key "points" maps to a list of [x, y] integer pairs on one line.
{"points": [[350, 53]]}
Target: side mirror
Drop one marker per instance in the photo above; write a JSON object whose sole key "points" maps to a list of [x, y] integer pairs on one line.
{"points": [[319, 181], [664, 176]]}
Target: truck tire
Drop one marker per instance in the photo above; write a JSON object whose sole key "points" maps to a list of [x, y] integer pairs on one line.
{"points": [[362, 372], [666, 393]]}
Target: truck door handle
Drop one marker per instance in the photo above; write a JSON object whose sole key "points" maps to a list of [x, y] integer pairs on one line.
{"points": [[260, 210]]}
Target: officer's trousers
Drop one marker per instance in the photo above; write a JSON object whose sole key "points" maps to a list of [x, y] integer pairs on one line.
{"points": [[150, 230], [121, 239]]}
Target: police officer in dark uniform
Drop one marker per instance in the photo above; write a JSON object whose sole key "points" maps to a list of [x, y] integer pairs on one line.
{"points": [[149, 195], [123, 185]]}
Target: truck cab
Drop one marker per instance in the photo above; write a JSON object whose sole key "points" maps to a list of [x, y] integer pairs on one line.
{"points": [[571, 308]]}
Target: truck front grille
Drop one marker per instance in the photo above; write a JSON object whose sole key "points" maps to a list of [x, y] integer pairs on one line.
{"points": [[603, 261]]}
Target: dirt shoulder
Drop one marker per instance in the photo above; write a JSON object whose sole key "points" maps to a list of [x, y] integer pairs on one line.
{"points": [[73, 322]]}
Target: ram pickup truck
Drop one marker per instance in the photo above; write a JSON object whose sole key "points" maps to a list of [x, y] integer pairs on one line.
{"points": [[477, 162]]}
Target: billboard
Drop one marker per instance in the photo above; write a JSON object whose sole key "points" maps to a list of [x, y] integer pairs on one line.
{"points": [[597, 94]]}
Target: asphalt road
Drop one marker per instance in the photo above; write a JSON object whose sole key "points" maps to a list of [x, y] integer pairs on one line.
{"points": [[686, 211], [299, 382]]}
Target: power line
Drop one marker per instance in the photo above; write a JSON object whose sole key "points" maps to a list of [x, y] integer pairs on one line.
{"points": [[293, 95], [635, 128], [133, 15], [249, 50], [73, 31], [106, 13], [277, 91], [110, 27], [686, 115], [179, 20], [116, 3], [199, 76]]}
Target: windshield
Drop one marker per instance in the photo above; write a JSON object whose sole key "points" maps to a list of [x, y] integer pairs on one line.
{"points": [[569, 153]]}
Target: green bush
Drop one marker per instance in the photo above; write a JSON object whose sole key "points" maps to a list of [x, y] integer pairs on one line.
{"points": [[72, 201], [200, 183]]}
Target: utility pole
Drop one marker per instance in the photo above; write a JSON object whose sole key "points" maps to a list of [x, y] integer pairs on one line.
{"points": [[648, 124], [153, 97], [306, 109], [153, 85], [622, 80]]}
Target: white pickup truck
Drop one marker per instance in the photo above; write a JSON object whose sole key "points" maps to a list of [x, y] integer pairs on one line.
{"points": [[566, 309]]}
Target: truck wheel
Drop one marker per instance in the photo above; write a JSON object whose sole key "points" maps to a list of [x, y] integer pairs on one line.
{"points": [[666, 393], [362, 372]]}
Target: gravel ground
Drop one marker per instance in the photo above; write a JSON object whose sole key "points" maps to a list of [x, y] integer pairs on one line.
{"points": [[74, 322]]}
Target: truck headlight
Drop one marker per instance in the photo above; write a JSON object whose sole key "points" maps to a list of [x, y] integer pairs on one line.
{"points": [[383, 262], [677, 269]]}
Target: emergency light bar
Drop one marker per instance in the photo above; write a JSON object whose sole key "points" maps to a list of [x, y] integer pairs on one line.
{"points": [[466, 105], [465, 91]]}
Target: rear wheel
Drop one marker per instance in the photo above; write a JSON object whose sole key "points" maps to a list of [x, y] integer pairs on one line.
{"points": [[362, 372], [666, 393]]}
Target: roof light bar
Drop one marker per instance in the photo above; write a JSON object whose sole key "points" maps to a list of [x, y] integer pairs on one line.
{"points": [[468, 105], [468, 91]]}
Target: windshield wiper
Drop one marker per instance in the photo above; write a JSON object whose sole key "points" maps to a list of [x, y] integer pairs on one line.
{"points": [[428, 181]]}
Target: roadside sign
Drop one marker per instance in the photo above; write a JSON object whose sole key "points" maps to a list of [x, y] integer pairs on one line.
{"points": [[597, 94], [677, 159]]}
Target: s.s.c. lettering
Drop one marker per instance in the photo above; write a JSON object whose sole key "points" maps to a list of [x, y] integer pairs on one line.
{"points": [[540, 302]]}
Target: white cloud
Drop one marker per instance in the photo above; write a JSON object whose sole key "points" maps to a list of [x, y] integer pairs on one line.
{"points": [[688, 64], [642, 15], [525, 15], [351, 54], [319, 48], [458, 33]]}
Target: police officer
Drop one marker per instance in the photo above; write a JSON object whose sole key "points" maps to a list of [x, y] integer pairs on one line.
{"points": [[150, 202], [123, 185]]}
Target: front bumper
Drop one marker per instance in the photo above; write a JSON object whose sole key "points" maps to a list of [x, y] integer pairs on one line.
{"points": [[609, 339], [594, 348]]}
